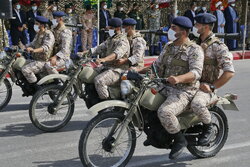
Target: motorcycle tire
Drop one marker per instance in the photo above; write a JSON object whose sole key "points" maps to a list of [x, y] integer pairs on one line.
{"points": [[47, 126], [216, 143], [104, 142], [6, 84]]}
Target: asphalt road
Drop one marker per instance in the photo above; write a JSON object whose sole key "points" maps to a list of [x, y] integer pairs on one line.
{"points": [[22, 145]]}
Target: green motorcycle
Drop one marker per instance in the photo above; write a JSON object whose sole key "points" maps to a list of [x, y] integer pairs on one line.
{"points": [[109, 139], [50, 114]]}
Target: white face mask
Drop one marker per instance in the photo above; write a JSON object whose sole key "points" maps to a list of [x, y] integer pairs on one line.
{"points": [[195, 8], [171, 35], [123, 30], [55, 23], [54, 8], [18, 7], [111, 32], [233, 4], [36, 28], [221, 7], [195, 32], [34, 8], [176, 12], [121, 9], [204, 8], [105, 7], [156, 6], [70, 11]]}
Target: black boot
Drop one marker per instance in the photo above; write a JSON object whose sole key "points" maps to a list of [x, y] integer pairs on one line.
{"points": [[180, 143], [206, 134]]}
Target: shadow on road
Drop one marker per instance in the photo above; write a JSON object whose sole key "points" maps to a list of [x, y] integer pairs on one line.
{"points": [[15, 107], [28, 129], [160, 161], [74, 162], [138, 161], [25, 129]]}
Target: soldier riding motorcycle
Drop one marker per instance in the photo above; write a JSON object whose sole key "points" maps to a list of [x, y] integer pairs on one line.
{"points": [[12, 61], [80, 78], [109, 139], [99, 83]]}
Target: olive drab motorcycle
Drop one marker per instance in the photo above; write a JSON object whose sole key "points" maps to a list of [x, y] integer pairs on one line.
{"points": [[109, 139], [11, 62], [52, 114]]}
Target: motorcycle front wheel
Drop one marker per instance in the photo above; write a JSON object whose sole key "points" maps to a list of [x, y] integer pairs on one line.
{"points": [[220, 133], [96, 142], [5, 93], [42, 110]]}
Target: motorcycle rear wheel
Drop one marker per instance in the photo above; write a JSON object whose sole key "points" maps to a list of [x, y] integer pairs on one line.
{"points": [[5, 93], [220, 124], [42, 104], [95, 144]]}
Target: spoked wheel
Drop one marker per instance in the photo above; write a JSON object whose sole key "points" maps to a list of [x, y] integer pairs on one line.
{"points": [[5, 93], [43, 112], [220, 133], [96, 145]]}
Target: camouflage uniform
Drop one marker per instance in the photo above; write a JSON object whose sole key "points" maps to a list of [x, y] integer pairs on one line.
{"points": [[87, 21], [71, 19], [137, 50], [217, 56], [63, 38], [48, 14], [43, 40], [174, 61], [119, 45], [2, 44], [154, 22]]}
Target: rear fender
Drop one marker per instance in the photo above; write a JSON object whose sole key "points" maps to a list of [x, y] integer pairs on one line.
{"points": [[50, 77], [227, 102]]}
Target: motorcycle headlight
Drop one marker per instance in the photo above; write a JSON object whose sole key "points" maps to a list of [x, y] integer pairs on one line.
{"points": [[3, 55], [126, 87]]}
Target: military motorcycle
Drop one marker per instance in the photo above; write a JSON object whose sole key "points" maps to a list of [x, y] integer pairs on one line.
{"points": [[50, 114], [11, 62], [109, 139]]}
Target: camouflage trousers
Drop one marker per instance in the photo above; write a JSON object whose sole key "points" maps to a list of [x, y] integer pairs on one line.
{"points": [[60, 64], [87, 39], [174, 105], [199, 106], [105, 79], [31, 68]]}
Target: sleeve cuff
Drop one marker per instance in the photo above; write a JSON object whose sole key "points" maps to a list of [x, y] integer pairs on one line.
{"points": [[132, 60], [196, 74]]}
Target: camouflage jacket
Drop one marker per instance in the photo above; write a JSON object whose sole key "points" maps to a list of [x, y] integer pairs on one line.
{"points": [[180, 60], [71, 19], [43, 40], [154, 17], [117, 44], [63, 42], [3, 31], [137, 50], [217, 56], [48, 14]]}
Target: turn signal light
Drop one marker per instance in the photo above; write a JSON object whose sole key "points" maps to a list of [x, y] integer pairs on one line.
{"points": [[18, 55], [124, 77], [234, 96], [154, 91]]}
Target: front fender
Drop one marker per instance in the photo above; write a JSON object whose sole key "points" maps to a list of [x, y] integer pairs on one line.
{"points": [[106, 104], [53, 76]]}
